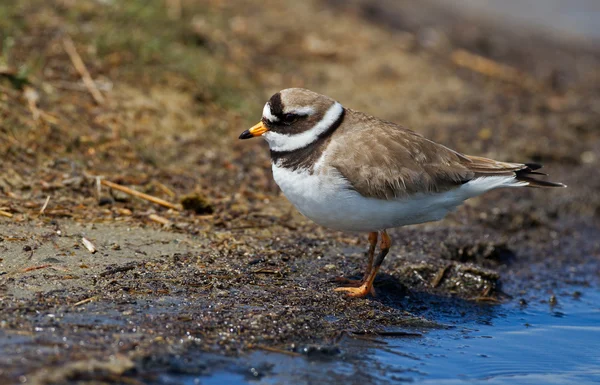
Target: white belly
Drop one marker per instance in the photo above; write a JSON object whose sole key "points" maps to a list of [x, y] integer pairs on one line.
{"points": [[326, 198]]}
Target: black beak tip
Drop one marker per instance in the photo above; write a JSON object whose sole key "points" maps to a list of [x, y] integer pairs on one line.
{"points": [[246, 135]]}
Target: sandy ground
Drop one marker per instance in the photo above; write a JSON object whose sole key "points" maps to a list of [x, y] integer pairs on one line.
{"points": [[246, 271]]}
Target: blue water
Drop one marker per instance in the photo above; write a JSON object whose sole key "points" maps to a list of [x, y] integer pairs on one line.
{"points": [[559, 345], [501, 344]]}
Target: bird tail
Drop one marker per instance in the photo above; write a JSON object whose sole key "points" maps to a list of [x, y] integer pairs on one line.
{"points": [[525, 175], [523, 172]]}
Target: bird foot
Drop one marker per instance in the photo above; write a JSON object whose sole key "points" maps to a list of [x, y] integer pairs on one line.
{"points": [[360, 291]]}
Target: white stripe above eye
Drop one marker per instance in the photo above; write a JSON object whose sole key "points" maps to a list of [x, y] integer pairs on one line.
{"points": [[300, 111], [268, 115], [282, 142]]}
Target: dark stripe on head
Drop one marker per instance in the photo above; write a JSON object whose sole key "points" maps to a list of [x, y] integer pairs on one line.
{"points": [[276, 105]]}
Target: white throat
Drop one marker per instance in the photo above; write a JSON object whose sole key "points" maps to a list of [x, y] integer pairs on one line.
{"points": [[282, 142]]}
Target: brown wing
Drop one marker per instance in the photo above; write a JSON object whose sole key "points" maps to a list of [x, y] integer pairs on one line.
{"points": [[383, 160]]}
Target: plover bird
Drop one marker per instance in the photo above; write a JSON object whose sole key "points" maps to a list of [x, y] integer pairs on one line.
{"points": [[350, 171]]}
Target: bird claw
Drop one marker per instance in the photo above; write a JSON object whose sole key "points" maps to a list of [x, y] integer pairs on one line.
{"points": [[358, 292]]}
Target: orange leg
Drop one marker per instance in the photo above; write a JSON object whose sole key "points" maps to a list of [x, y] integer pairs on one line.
{"points": [[373, 236], [366, 286]]}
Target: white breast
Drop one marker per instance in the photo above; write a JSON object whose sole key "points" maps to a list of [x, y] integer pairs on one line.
{"points": [[326, 198]]}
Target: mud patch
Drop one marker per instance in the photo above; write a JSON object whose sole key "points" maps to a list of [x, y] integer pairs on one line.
{"points": [[484, 254]]}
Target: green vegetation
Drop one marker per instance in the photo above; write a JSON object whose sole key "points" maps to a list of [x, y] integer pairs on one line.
{"points": [[133, 40]]}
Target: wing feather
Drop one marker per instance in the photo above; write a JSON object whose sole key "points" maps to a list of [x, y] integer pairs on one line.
{"points": [[384, 160]]}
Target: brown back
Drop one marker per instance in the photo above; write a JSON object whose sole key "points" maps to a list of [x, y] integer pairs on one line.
{"points": [[384, 160]]}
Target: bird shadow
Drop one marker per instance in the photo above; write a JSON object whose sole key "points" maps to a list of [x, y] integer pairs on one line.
{"points": [[434, 306]]}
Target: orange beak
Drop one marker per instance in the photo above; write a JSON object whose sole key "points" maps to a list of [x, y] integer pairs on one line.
{"points": [[256, 130]]}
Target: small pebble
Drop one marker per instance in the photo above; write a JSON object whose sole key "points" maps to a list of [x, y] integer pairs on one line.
{"points": [[329, 267]]}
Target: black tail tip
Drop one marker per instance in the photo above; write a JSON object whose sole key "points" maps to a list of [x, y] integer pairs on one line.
{"points": [[525, 175], [533, 166]]}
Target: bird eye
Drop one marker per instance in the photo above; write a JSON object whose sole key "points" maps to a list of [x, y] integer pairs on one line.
{"points": [[289, 118]]}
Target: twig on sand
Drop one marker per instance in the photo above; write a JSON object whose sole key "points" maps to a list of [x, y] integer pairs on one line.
{"points": [[84, 301], [491, 68], [82, 69], [267, 271], [120, 269], [88, 245], [159, 219], [141, 195], [440, 275], [32, 268], [45, 205], [165, 189], [98, 187], [5, 214]]}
